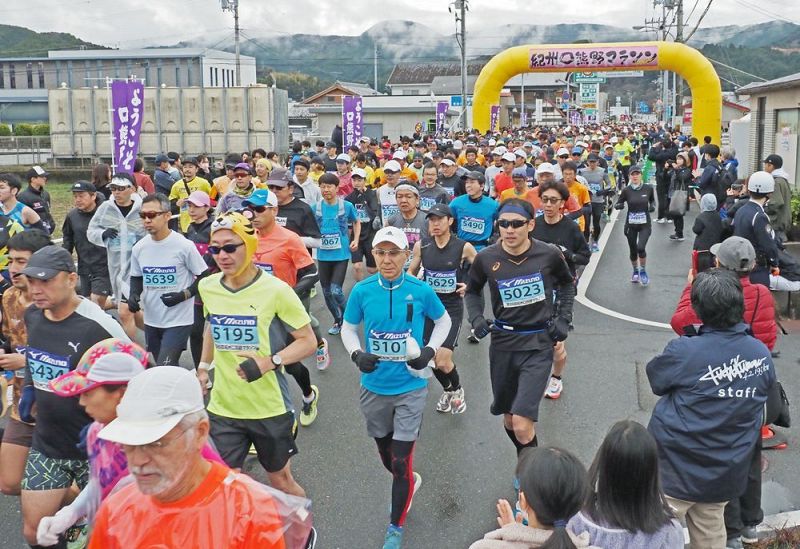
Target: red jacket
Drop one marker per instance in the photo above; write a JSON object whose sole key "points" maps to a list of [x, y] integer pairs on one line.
{"points": [[759, 312]]}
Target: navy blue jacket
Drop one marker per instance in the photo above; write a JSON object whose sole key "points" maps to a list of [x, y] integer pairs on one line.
{"points": [[163, 181], [713, 389]]}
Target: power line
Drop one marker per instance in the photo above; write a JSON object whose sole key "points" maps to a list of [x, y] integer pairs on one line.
{"points": [[766, 12], [720, 63], [702, 15]]}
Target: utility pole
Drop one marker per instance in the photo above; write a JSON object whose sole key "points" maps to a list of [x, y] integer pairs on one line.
{"points": [[375, 66], [678, 38], [460, 8], [233, 6], [522, 98]]}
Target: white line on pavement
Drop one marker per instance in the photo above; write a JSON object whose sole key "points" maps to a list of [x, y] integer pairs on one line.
{"points": [[588, 273]]}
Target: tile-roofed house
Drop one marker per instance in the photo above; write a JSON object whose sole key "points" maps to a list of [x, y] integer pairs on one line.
{"points": [[416, 78], [333, 93]]}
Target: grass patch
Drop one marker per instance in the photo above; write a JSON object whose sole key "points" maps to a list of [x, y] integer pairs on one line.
{"points": [[60, 202]]}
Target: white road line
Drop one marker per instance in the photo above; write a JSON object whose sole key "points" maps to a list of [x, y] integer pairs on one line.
{"points": [[588, 273]]}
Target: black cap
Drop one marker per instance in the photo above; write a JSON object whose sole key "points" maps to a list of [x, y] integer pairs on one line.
{"points": [[476, 175], [592, 157], [37, 171], [83, 187], [439, 210], [636, 168], [191, 160], [330, 144], [47, 262], [775, 160]]}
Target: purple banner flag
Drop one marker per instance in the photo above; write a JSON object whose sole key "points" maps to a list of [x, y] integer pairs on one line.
{"points": [[494, 120], [441, 115], [127, 106], [523, 119], [352, 120]]}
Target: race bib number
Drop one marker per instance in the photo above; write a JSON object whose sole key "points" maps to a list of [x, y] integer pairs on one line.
{"points": [[234, 332], [266, 267], [160, 278], [521, 290], [442, 282], [45, 367], [388, 345], [426, 203], [637, 218], [280, 220], [472, 225], [388, 210], [361, 213], [331, 241]]}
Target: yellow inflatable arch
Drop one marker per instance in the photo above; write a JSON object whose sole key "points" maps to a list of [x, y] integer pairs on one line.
{"points": [[680, 58]]}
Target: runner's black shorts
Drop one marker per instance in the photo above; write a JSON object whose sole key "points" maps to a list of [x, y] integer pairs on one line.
{"points": [[456, 312], [272, 437], [364, 253], [519, 380]]}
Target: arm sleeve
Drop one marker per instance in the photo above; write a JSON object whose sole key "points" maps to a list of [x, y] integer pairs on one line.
{"points": [[441, 327], [565, 295], [311, 242], [665, 369], [580, 249], [94, 233], [684, 314], [697, 228], [67, 238], [350, 338], [474, 293], [306, 278]]}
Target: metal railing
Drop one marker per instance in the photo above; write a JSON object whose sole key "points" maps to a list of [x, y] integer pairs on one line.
{"points": [[24, 150]]}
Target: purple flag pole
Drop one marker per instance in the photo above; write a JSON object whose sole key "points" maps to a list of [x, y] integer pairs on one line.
{"points": [[441, 115], [352, 120], [127, 109], [494, 118]]}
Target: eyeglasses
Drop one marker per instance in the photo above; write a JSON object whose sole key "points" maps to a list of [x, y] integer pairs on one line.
{"points": [[150, 215], [113, 188], [512, 223], [227, 248], [551, 200], [153, 447], [391, 253]]}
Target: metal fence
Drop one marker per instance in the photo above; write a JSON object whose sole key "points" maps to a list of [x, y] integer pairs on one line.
{"points": [[27, 150]]}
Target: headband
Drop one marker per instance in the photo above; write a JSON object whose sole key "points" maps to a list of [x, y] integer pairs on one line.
{"points": [[512, 208]]}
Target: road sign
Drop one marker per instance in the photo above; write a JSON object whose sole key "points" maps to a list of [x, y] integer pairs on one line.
{"points": [[456, 101], [589, 78], [588, 94], [644, 108]]}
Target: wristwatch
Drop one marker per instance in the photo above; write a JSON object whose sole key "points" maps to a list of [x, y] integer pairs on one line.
{"points": [[277, 360]]}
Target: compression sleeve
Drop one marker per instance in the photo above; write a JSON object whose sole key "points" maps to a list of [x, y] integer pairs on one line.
{"points": [[350, 338], [310, 242], [306, 278], [441, 327], [137, 286], [565, 295]]}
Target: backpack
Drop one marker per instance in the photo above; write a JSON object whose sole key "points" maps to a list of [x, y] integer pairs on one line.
{"points": [[721, 182]]}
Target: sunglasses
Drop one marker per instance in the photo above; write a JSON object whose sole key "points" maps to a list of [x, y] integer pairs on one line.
{"points": [[257, 209], [551, 200], [564, 156], [512, 223], [391, 253], [241, 175], [150, 215], [227, 248], [113, 188]]}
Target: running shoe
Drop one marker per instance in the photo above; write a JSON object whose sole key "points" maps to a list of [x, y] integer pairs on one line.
{"points": [[312, 539], [635, 276], [309, 412], [734, 543], [595, 247], [394, 537], [323, 355], [661, 220], [750, 534], [444, 404], [604, 217], [554, 388], [644, 280], [458, 405], [335, 330], [676, 238], [471, 337]]}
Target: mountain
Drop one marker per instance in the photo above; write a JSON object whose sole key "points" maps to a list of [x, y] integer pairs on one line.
{"points": [[22, 42], [350, 58]]}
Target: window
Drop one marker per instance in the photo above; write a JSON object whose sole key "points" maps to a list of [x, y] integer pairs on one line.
{"points": [[40, 70], [177, 74], [330, 98], [29, 72], [210, 76], [761, 117], [2, 76], [216, 76], [12, 77]]}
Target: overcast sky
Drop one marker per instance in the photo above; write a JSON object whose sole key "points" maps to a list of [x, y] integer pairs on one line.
{"points": [[139, 23]]}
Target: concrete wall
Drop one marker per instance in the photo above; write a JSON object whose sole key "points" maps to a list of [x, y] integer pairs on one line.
{"points": [[788, 146], [187, 120]]}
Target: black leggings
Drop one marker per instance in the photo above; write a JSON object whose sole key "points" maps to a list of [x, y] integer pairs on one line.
{"points": [[637, 240], [397, 456], [597, 213], [331, 278]]}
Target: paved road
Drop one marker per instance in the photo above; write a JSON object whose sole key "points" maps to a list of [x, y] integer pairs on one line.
{"points": [[466, 461]]}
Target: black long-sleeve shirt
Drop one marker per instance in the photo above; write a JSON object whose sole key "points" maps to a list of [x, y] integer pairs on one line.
{"points": [[565, 234], [640, 202], [91, 258]]}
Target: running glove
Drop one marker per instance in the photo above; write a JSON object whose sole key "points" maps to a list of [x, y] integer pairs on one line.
{"points": [[568, 255], [558, 330], [50, 528], [109, 233], [480, 327], [425, 356], [652, 208], [366, 362], [170, 299], [133, 303], [619, 205], [27, 399]]}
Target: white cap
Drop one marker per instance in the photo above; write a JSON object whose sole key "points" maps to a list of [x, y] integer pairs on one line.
{"points": [[522, 153], [344, 158], [120, 182], [393, 166], [359, 172], [562, 151], [154, 403], [448, 162], [545, 167], [492, 142], [392, 235], [614, 140], [400, 154], [509, 156], [428, 155], [498, 151], [457, 144], [527, 144]]}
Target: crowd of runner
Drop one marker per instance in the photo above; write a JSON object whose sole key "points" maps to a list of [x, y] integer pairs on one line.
{"points": [[224, 259]]}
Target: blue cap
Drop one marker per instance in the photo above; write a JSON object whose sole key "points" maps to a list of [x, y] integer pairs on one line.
{"points": [[262, 197], [519, 172], [162, 158], [577, 150]]}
